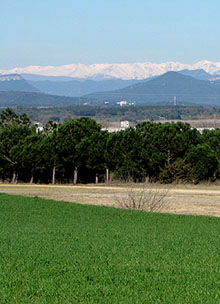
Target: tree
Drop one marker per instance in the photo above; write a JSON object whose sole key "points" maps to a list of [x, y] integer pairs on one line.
{"points": [[11, 139], [50, 127], [123, 154], [163, 144], [28, 152], [212, 138], [69, 142], [93, 155], [50, 159], [9, 117], [178, 171], [13, 130], [204, 162]]}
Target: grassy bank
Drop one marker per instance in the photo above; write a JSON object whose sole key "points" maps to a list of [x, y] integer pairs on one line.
{"points": [[56, 252]]}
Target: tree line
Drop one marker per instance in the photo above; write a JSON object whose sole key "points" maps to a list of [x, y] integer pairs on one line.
{"points": [[78, 151], [107, 112]]}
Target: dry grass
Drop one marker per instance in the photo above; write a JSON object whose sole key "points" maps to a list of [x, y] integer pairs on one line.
{"points": [[203, 199], [145, 198]]}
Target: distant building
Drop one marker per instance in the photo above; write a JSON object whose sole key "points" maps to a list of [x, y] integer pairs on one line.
{"points": [[125, 103], [202, 129], [125, 124], [122, 103], [39, 127], [111, 129]]}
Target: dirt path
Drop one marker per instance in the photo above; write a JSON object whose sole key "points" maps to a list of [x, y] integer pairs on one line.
{"points": [[190, 199]]}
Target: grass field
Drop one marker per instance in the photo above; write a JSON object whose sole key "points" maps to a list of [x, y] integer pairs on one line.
{"points": [[58, 252]]}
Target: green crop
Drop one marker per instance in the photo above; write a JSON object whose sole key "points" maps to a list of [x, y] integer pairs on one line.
{"points": [[58, 252]]}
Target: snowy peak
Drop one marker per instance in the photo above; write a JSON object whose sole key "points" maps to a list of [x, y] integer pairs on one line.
{"points": [[14, 82], [140, 70], [10, 77]]}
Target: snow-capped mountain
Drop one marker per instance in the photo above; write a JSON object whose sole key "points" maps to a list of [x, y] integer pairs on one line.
{"points": [[10, 77], [122, 70], [14, 82]]}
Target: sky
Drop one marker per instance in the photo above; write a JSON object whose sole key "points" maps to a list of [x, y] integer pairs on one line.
{"points": [[57, 32]]}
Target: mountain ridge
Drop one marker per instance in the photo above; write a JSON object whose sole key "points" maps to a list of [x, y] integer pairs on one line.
{"points": [[139, 70], [15, 82], [36, 99], [163, 89]]}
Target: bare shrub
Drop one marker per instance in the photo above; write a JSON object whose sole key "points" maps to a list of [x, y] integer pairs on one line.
{"points": [[146, 199]]}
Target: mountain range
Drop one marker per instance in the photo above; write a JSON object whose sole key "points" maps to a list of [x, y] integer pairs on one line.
{"points": [[164, 89], [122, 71], [35, 99], [80, 87], [77, 87], [61, 86], [15, 82], [188, 86]]}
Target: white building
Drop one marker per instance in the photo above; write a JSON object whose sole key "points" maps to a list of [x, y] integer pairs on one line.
{"points": [[122, 103], [39, 127], [125, 124]]}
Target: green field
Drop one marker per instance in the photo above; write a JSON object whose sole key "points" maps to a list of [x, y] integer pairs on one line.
{"points": [[56, 252]]}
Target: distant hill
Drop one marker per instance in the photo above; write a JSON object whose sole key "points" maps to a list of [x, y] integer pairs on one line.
{"points": [[199, 74], [14, 82], [73, 87], [31, 99], [163, 89], [79, 87], [36, 77], [16, 91]]}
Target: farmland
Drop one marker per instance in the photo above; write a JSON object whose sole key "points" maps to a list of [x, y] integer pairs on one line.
{"points": [[202, 199], [59, 252]]}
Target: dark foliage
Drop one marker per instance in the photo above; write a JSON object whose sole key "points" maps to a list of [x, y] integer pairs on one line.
{"points": [[79, 151], [115, 113]]}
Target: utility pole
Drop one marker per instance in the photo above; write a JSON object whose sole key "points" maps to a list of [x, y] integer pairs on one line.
{"points": [[214, 120]]}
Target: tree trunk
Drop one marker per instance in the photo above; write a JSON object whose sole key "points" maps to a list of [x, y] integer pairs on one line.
{"points": [[107, 176], [168, 157], [31, 180], [13, 181], [147, 179], [53, 175], [96, 179], [75, 176]]}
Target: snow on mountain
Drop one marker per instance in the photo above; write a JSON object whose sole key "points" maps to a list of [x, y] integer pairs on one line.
{"points": [[122, 70], [10, 77]]}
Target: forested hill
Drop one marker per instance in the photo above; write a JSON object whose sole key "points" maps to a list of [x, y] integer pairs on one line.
{"points": [[30, 99], [15, 82], [79, 87], [199, 74], [69, 86], [163, 89]]}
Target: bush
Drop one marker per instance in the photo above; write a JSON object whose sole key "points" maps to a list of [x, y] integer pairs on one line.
{"points": [[178, 171], [146, 199]]}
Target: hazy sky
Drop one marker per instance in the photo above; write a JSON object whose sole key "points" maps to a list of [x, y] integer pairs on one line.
{"points": [[55, 32]]}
